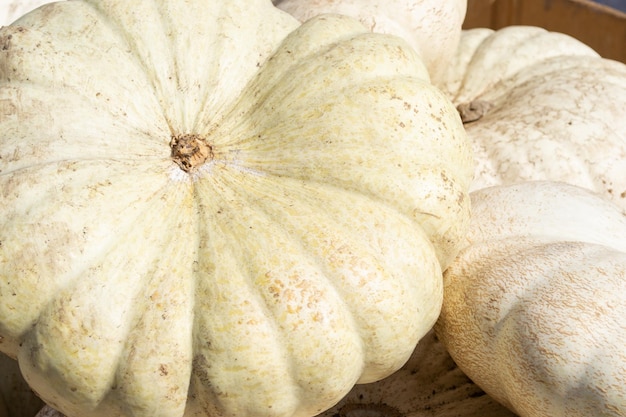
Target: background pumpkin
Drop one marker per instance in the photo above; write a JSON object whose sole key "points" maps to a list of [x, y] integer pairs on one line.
{"points": [[534, 308], [192, 211], [431, 27], [541, 105]]}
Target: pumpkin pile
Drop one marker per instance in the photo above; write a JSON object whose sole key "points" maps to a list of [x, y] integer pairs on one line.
{"points": [[299, 208]]}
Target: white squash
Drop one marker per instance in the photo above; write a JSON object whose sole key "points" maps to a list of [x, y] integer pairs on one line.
{"points": [[431, 27], [202, 199], [534, 308], [541, 105]]}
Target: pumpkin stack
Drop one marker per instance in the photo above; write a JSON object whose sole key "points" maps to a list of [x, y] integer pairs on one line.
{"points": [[537, 106], [211, 209], [349, 207]]}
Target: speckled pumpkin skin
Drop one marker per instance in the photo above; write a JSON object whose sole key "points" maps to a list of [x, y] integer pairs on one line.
{"points": [[210, 209], [534, 307]]}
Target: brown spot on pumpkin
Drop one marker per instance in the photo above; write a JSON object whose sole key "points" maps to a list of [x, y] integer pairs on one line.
{"points": [[163, 370], [6, 43], [190, 151]]}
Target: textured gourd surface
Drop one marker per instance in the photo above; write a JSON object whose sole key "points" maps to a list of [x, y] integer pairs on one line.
{"points": [[428, 385], [541, 105], [217, 209], [534, 308]]}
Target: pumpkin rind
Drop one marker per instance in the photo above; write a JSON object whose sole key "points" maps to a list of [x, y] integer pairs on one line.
{"points": [[204, 199], [548, 108], [534, 307]]}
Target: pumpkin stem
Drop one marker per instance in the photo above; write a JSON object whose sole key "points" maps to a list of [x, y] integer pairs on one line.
{"points": [[190, 151], [474, 110]]}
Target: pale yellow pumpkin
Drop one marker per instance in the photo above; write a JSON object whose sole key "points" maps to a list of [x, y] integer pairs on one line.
{"points": [[534, 307], [210, 209], [541, 105], [431, 27]]}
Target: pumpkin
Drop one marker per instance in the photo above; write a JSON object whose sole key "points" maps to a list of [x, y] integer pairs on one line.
{"points": [[540, 105], [431, 27], [534, 308], [428, 385], [16, 398], [201, 199]]}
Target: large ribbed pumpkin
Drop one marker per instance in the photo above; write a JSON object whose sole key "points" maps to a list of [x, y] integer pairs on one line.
{"points": [[210, 209]]}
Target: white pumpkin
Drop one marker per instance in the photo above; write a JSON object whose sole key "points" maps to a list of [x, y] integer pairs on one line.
{"points": [[431, 27], [541, 105], [534, 308], [201, 199]]}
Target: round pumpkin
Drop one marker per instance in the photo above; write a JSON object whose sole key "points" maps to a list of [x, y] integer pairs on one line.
{"points": [[201, 199], [534, 308], [431, 27], [540, 105]]}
